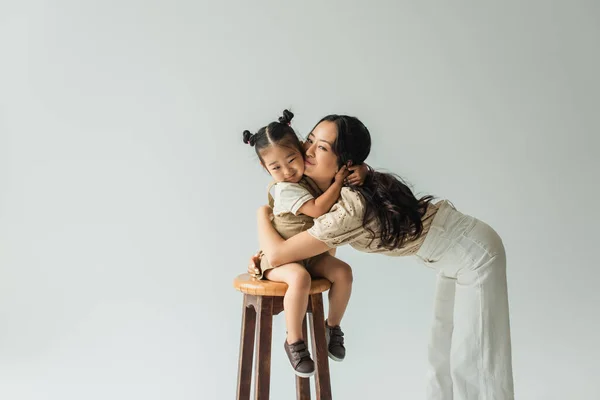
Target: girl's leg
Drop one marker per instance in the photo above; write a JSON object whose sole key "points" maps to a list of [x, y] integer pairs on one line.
{"points": [[340, 275], [295, 300]]}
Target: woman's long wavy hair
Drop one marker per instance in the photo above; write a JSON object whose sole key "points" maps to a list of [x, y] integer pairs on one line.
{"points": [[388, 199]]}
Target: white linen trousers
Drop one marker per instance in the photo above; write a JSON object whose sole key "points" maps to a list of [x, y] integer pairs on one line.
{"points": [[469, 349]]}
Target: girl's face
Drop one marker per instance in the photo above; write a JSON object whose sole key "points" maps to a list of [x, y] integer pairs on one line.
{"points": [[285, 164], [321, 163]]}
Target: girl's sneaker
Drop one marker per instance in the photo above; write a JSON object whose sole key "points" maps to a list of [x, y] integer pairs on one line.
{"points": [[300, 359], [335, 342]]}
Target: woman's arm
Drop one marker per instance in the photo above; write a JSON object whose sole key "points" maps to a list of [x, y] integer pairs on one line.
{"points": [[280, 251]]}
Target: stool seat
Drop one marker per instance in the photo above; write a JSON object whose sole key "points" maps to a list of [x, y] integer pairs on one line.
{"points": [[248, 284]]}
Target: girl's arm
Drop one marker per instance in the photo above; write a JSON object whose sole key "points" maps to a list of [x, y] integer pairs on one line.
{"points": [[322, 204], [358, 174], [279, 251]]}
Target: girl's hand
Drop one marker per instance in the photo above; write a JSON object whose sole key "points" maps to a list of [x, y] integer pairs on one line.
{"points": [[341, 175], [358, 175], [254, 264]]}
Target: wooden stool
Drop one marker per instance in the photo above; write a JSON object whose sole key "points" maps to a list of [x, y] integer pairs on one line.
{"points": [[262, 300]]}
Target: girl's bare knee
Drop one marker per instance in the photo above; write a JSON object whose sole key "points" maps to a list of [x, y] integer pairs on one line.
{"points": [[300, 279], [344, 274]]}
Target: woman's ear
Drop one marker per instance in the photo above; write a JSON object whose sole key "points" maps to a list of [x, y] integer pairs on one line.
{"points": [[349, 163]]}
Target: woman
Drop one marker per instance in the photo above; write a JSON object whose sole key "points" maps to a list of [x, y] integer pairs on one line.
{"points": [[470, 350]]}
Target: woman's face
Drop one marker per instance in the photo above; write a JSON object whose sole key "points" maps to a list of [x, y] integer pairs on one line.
{"points": [[321, 163]]}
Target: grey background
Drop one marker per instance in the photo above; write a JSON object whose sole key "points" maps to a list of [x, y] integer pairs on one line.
{"points": [[127, 199]]}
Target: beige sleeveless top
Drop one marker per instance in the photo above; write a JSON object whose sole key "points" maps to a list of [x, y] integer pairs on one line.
{"points": [[343, 224]]}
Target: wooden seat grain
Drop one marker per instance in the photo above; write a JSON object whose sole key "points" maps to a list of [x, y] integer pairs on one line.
{"points": [[246, 283]]}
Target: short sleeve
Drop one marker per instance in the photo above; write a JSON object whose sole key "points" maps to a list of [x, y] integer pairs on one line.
{"points": [[343, 223], [289, 197]]}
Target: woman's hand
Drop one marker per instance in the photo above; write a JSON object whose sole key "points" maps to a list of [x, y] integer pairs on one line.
{"points": [[358, 174], [265, 212], [254, 264]]}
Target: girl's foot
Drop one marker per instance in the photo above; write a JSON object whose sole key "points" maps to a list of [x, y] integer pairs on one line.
{"points": [[300, 359], [335, 342]]}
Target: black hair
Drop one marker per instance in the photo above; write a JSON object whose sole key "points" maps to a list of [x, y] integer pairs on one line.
{"points": [[388, 199], [278, 133]]}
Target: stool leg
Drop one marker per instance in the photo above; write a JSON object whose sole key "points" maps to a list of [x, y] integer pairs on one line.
{"points": [[246, 350], [319, 345], [303, 384], [262, 366]]}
